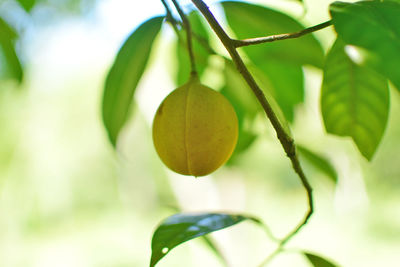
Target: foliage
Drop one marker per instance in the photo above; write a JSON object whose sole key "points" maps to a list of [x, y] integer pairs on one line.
{"points": [[125, 74], [180, 228], [318, 261], [355, 93], [10, 63]]}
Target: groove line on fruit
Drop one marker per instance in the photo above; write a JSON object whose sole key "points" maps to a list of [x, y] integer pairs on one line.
{"points": [[186, 126]]}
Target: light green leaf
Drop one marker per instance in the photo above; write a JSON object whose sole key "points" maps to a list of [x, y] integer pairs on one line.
{"points": [[180, 228], [10, 65], [238, 91], [375, 27], [266, 85], [318, 261], [199, 41], [319, 162], [249, 21], [125, 75], [286, 84], [246, 106], [354, 101]]}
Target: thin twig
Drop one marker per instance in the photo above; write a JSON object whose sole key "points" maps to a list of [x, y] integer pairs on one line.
{"points": [[286, 141], [188, 29], [279, 37]]}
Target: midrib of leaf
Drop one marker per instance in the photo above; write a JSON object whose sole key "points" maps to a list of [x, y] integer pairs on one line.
{"points": [[186, 127], [353, 95], [356, 101], [352, 101]]}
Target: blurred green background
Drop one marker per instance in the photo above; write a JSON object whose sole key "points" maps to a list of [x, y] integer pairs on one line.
{"points": [[68, 199]]}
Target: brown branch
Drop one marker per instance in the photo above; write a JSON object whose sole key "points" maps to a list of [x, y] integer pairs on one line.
{"points": [[188, 29], [279, 37], [286, 141]]}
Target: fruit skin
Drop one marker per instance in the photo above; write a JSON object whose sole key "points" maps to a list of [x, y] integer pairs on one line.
{"points": [[195, 129]]}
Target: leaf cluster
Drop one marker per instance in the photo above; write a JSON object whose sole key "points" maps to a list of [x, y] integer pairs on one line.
{"points": [[355, 95]]}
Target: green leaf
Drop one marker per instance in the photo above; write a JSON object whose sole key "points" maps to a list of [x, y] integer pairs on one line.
{"points": [[246, 106], [318, 261], [10, 65], [279, 62], [266, 85], [200, 39], [180, 228], [125, 75], [237, 90], [319, 162], [354, 101], [286, 84], [27, 4], [6, 31], [375, 27], [249, 21]]}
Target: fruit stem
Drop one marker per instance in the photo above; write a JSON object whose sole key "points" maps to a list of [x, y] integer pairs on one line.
{"points": [[188, 28]]}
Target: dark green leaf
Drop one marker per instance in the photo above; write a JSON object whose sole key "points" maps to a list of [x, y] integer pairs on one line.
{"points": [[10, 65], [319, 162], [125, 75], [27, 4], [249, 21], [354, 101], [207, 240], [199, 42], [180, 228], [318, 261], [375, 27]]}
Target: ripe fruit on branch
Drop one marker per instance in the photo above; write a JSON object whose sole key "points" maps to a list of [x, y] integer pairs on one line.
{"points": [[195, 129]]}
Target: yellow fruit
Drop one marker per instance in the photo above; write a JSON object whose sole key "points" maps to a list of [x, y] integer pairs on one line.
{"points": [[195, 129]]}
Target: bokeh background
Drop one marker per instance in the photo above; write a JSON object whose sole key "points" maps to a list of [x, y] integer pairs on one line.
{"points": [[68, 199]]}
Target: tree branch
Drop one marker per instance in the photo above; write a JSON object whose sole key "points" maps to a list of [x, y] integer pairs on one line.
{"points": [[279, 37], [188, 29], [286, 141]]}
